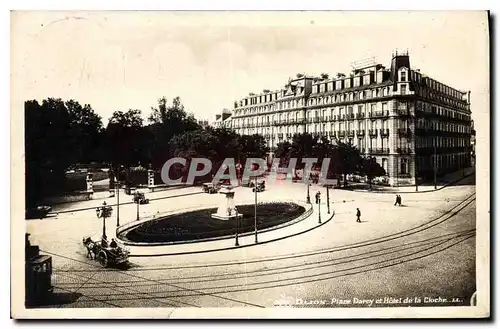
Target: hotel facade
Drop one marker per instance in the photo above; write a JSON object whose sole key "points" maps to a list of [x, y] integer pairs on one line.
{"points": [[412, 124]]}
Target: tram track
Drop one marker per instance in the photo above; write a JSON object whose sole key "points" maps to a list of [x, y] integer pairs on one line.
{"points": [[303, 279], [280, 276], [308, 265], [450, 213]]}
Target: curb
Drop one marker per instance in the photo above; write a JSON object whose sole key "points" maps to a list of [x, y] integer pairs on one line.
{"points": [[407, 192], [294, 221], [242, 246], [121, 203]]}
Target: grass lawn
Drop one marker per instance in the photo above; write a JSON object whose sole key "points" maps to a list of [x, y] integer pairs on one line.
{"points": [[200, 225]]}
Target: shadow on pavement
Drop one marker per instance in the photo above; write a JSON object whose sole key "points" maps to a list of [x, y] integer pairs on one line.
{"points": [[53, 299]]}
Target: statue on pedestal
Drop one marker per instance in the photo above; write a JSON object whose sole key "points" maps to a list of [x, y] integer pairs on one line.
{"points": [[227, 210]]}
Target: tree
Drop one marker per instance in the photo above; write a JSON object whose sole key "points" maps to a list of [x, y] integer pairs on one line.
{"points": [[125, 138], [167, 122], [371, 169], [303, 146], [324, 76], [58, 134], [283, 152], [346, 159], [86, 128]]}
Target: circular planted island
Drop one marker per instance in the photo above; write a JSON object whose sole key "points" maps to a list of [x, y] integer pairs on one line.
{"points": [[200, 225]]}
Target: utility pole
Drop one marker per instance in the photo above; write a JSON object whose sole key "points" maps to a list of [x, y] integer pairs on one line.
{"points": [[255, 211], [237, 230], [118, 204], [308, 199], [328, 198], [137, 209], [435, 165], [319, 209]]}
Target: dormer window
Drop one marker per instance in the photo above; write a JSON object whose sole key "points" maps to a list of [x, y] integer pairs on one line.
{"points": [[403, 76]]}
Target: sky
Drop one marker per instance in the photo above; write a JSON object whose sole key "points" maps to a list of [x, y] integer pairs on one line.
{"points": [[128, 60]]}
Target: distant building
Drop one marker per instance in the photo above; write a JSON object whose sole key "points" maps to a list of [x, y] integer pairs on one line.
{"points": [[223, 119], [473, 139], [412, 124], [203, 123]]}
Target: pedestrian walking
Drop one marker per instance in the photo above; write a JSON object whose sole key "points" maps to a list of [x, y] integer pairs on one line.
{"points": [[399, 200], [318, 195], [358, 215]]}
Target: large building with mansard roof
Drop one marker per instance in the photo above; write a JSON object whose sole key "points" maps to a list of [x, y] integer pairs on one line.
{"points": [[412, 124]]}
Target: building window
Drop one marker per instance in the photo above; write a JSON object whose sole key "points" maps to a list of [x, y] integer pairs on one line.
{"points": [[384, 164], [404, 166], [403, 76], [403, 89]]}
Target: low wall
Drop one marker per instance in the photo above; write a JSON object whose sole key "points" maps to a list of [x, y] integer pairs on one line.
{"points": [[128, 226]]}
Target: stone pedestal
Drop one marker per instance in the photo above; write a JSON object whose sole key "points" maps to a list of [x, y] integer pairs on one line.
{"points": [[227, 209]]}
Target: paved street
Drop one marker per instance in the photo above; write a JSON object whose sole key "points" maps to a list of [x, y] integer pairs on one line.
{"points": [[425, 248]]}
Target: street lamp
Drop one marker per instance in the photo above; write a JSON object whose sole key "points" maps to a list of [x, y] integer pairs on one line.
{"points": [[308, 199], [118, 204], [328, 198], [435, 169], [103, 212], [319, 208], [255, 211], [237, 230], [137, 201]]}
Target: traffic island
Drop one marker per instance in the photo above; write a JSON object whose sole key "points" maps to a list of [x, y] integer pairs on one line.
{"points": [[200, 225]]}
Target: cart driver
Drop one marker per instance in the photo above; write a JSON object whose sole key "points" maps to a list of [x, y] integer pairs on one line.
{"points": [[113, 243]]}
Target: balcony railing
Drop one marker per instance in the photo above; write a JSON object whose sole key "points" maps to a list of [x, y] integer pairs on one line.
{"points": [[384, 132], [378, 150], [360, 115], [402, 111], [379, 114], [350, 116], [404, 131], [372, 132], [360, 132], [350, 133], [331, 133], [341, 134], [403, 150]]}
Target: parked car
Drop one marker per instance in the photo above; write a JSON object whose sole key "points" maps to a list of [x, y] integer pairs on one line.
{"points": [[140, 198], [38, 212], [210, 188]]}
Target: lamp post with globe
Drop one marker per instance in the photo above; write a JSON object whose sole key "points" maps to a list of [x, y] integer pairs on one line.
{"points": [[104, 212]]}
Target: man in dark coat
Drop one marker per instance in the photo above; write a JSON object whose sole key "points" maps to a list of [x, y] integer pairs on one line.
{"points": [[358, 215]]}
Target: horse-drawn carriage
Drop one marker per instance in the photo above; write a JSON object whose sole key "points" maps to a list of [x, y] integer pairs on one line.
{"points": [[105, 253]]}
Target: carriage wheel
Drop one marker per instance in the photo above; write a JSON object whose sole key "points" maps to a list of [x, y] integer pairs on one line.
{"points": [[103, 258]]}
